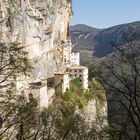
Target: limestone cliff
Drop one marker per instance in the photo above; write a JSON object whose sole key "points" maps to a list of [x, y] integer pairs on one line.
{"points": [[41, 26]]}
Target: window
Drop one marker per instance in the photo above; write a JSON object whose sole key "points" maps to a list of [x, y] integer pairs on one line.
{"points": [[30, 96]]}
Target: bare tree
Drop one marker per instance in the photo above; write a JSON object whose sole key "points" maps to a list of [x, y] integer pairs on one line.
{"points": [[120, 75], [13, 63]]}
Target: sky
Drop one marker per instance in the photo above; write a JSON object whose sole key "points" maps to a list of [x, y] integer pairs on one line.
{"points": [[105, 13]]}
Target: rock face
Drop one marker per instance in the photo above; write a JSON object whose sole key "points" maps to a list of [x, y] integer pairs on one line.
{"points": [[41, 26], [91, 114]]}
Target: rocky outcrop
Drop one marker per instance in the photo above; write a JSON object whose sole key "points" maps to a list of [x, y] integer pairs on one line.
{"points": [[40, 26], [93, 114]]}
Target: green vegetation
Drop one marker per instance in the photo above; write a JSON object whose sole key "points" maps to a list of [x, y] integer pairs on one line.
{"points": [[97, 92], [91, 74], [68, 122], [79, 97]]}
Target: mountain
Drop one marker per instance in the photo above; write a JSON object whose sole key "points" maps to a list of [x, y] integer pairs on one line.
{"points": [[87, 38], [82, 27], [83, 36]]}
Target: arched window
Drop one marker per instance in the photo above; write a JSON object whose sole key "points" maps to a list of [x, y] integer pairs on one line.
{"points": [[30, 96]]}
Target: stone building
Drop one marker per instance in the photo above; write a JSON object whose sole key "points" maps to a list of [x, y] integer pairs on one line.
{"points": [[75, 58], [41, 92], [71, 68], [67, 52], [71, 72], [77, 71], [69, 57], [62, 80]]}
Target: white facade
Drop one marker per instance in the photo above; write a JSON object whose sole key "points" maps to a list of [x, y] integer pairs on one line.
{"points": [[76, 71], [44, 99], [69, 57], [65, 84], [72, 70], [85, 78], [67, 53], [40, 94], [75, 58], [62, 79]]}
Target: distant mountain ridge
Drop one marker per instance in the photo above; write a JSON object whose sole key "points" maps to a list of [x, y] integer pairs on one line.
{"points": [[88, 38], [82, 27]]}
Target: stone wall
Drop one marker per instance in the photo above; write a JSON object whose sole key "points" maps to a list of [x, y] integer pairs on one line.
{"points": [[41, 26]]}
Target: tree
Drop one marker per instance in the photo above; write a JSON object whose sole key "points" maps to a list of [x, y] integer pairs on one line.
{"points": [[13, 64], [120, 75]]}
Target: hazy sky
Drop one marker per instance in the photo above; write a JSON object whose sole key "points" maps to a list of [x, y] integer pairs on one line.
{"points": [[105, 13]]}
